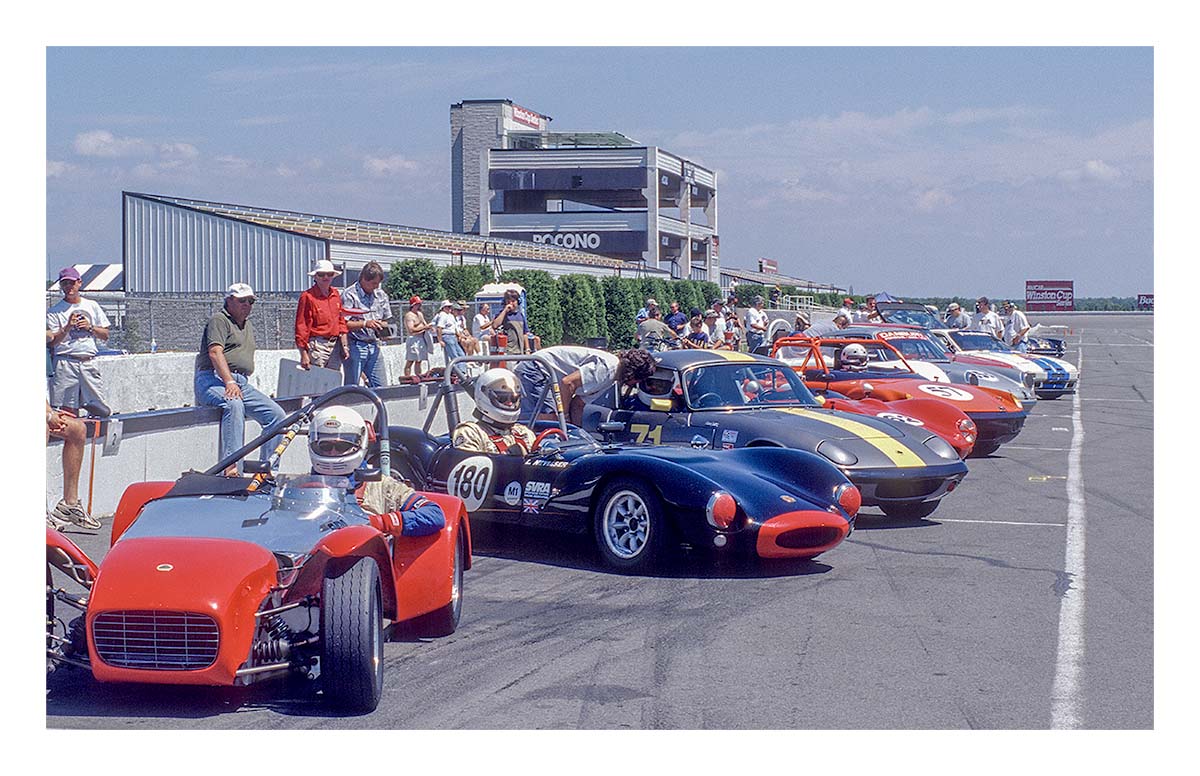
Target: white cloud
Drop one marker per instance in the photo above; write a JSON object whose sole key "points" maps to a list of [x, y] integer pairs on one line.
{"points": [[58, 169], [389, 165], [101, 142], [178, 151], [933, 199], [1094, 169], [261, 121]]}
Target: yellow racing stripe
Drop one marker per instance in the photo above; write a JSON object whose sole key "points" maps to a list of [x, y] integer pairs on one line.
{"points": [[732, 355], [894, 449]]}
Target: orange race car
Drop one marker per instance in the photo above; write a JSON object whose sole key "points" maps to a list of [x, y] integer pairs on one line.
{"points": [[994, 416], [215, 580]]}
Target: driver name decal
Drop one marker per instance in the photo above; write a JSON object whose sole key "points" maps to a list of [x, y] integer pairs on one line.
{"points": [[945, 392], [471, 481]]}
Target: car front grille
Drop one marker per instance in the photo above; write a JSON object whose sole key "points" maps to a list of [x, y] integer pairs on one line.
{"points": [[808, 538], [908, 488], [156, 640]]}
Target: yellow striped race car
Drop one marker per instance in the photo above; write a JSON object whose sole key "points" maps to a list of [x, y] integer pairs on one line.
{"points": [[724, 400]]}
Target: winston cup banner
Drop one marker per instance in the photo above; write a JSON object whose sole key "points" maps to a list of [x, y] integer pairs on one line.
{"points": [[1049, 296]]}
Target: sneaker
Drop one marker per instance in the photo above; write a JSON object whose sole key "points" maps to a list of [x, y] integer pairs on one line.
{"points": [[76, 514], [57, 523]]}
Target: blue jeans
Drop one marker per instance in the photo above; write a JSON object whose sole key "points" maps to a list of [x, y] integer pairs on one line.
{"points": [[364, 357], [453, 349], [210, 392], [754, 339]]}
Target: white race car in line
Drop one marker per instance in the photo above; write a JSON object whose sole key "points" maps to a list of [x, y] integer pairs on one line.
{"points": [[1052, 377]]}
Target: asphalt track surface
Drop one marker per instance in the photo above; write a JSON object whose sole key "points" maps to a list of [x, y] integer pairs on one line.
{"points": [[1024, 602]]}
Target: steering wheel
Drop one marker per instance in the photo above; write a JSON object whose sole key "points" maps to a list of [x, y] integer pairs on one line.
{"points": [[537, 442], [710, 399]]}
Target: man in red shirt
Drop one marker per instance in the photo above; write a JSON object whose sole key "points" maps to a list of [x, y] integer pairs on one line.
{"points": [[321, 331]]}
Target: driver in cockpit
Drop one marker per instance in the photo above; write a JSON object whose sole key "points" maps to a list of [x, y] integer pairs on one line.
{"points": [[337, 444], [497, 408]]}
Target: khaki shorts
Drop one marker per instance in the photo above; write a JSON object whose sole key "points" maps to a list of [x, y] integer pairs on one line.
{"points": [[326, 352], [78, 384]]}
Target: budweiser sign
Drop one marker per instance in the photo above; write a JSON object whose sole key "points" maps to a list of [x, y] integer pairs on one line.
{"points": [[1049, 295], [526, 117]]}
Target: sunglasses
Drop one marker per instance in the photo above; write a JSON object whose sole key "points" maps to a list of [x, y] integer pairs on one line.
{"points": [[246, 300], [331, 447], [325, 274]]}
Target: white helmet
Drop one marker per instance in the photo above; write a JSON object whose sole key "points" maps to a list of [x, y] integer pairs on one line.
{"points": [[498, 396], [656, 386], [337, 441], [854, 357]]}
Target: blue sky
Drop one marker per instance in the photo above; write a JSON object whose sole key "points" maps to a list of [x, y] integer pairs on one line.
{"points": [[941, 171]]}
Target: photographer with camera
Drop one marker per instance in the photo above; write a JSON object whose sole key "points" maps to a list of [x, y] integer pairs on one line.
{"points": [[74, 328]]}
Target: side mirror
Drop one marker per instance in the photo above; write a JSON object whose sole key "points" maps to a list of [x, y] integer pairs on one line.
{"points": [[611, 427], [256, 467]]}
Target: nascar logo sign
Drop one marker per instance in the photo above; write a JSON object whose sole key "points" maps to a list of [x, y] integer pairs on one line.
{"points": [[1049, 295]]}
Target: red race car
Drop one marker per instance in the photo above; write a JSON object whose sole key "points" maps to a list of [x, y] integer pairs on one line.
{"points": [[215, 580], [996, 416]]}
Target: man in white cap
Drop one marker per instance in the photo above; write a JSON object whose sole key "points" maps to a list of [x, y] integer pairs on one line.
{"points": [[644, 313], [1016, 328], [956, 317], [445, 325], [321, 332], [223, 369]]}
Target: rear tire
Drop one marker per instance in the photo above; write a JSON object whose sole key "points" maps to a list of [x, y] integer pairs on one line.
{"points": [[629, 526], [444, 621], [352, 638], [910, 511]]}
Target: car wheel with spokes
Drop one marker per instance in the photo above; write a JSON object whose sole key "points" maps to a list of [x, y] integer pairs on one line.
{"points": [[630, 529]]}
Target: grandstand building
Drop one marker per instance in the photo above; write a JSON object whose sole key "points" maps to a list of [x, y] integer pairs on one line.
{"points": [[600, 192], [179, 246]]}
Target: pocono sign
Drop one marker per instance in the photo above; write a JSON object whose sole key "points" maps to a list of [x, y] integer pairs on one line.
{"points": [[578, 240], [1049, 295]]}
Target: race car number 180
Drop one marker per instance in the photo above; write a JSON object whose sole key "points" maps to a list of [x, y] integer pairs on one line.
{"points": [[471, 481]]}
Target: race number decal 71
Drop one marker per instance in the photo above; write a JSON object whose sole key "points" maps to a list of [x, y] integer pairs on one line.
{"points": [[644, 432]]}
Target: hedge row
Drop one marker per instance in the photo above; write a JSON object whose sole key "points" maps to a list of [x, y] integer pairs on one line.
{"points": [[570, 309]]}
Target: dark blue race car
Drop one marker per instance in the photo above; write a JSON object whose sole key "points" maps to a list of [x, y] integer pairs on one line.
{"points": [[637, 501]]}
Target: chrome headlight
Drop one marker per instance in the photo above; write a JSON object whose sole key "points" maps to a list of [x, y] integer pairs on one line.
{"points": [[1027, 379], [837, 454], [941, 447]]}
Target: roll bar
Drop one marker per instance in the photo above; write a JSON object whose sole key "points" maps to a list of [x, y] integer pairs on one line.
{"points": [[448, 388], [305, 413]]}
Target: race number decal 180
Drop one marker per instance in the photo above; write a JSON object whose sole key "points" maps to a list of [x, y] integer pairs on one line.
{"points": [[946, 392], [471, 481]]}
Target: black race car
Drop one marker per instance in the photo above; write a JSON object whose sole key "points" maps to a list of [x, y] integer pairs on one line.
{"points": [[637, 501], [728, 400]]}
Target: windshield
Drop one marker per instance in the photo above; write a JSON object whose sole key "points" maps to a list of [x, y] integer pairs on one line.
{"points": [[741, 385], [292, 518], [978, 340], [913, 345], [922, 318]]}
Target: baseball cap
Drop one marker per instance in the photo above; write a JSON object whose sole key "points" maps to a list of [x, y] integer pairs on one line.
{"points": [[414, 299], [952, 306], [983, 299], [68, 272], [847, 300], [651, 301], [239, 291]]}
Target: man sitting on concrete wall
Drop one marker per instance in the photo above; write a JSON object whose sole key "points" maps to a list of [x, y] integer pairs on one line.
{"points": [[223, 370]]}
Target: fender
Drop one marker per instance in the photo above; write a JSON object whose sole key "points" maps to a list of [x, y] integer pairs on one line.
{"points": [[423, 565], [66, 556], [132, 501], [341, 547]]}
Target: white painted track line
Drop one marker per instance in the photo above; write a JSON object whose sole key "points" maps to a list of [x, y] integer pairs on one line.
{"points": [[1065, 694]]}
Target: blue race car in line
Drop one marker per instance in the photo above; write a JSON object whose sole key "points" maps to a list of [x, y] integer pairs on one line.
{"points": [[638, 502]]}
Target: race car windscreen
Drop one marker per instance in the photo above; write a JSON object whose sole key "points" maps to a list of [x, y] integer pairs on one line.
{"points": [[922, 318], [740, 386], [978, 340], [915, 346]]}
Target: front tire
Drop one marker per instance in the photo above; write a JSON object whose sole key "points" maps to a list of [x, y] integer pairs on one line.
{"points": [[352, 638], [629, 526], [910, 511]]}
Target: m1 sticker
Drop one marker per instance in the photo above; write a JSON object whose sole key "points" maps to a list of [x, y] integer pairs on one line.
{"points": [[512, 494], [471, 481], [900, 418], [946, 392]]}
